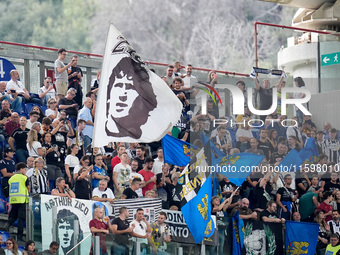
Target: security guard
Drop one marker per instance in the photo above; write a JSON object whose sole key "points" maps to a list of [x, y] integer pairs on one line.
{"points": [[18, 197]]}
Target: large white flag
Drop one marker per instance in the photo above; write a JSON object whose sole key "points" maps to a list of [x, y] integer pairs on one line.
{"points": [[133, 103]]}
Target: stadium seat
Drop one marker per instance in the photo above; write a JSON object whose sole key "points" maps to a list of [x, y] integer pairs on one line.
{"points": [[44, 108], [3, 204], [5, 235], [28, 107]]}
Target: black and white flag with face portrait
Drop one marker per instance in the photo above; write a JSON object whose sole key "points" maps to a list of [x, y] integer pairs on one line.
{"points": [[133, 103]]}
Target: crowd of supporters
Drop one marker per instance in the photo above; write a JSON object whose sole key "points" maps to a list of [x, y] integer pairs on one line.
{"points": [[51, 132]]}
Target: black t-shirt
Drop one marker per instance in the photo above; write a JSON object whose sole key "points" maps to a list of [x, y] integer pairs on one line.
{"points": [[141, 163], [20, 137], [60, 139], [4, 114], [121, 225], [266, 99], [227, 186], [266, 147], [300, 179], [172, 194], [52, 158], [329, 186], [275, 156], [74, 82], [82, 189], [284, 195], [268, 214], [129, 193], [261, 196], [72, 111]]}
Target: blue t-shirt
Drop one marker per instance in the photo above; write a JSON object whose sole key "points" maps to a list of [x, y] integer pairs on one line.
{"points": [[100, 171]]}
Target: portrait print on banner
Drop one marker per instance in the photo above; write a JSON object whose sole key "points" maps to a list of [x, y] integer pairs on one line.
{"points": [[133, 104]]}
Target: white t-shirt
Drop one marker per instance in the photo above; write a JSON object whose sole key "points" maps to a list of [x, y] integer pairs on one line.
{"points": [[51, 93], [243, 133], [49, 112], [33, 152], [140, 229], [157, 166], [17, 86], [189, 81], [29, 172], [71, 161], [123, 177], [103, 194]]}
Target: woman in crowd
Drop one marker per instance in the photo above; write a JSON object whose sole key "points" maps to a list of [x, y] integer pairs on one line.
{"points": [[62, 189], [82, 186], [52, 111], [71, 161], [38, 109], [84, 162], [34, 147], [272, 138], [12, 247], [39, 180], [324, 232], [29, 248], [53, 161], [336, 202]]}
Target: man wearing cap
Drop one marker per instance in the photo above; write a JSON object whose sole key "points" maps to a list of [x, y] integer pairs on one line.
{"points": [[7, 169]]}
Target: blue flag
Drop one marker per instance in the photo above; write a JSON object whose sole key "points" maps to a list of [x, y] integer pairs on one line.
{"points": [[309, 154], [237, 167], [197, 213], [288, 163], [301, 237], [238, 234], [215, 153], [177, 152]]}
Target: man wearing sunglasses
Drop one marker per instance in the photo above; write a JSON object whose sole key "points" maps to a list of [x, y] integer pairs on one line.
{"points": [[142, 230], [47, 91]]}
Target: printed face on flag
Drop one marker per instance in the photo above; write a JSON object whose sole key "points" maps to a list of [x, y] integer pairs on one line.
{"points": [[130, 98], [122, 96], [133, 103]]}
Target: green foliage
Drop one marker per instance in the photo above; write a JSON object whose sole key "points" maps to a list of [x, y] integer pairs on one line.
{"points": [[51, 23]]}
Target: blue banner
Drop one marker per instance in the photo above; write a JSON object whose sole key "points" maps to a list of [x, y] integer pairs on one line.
{"points": [[197, 213], [301, 237], [177, 152], [238, 234], [237, 167]]}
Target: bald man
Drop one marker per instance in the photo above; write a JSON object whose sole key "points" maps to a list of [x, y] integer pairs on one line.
{"points": [[16, 88], [244, 211]]}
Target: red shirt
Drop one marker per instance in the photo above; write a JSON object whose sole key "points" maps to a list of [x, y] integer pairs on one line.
{"points": [[147, 176], [102, 236], [115, 161], [326, 208]]}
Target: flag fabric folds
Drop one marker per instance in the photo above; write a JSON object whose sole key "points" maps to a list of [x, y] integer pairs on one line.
{"points": [[294, 160], [309, 154], [237, 167], [301, 237], [133, 103], [195, 194], [177, 152], [288, 163], [238, 234]]}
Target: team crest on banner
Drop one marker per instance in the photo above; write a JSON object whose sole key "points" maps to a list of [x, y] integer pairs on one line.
{"points": [[262, 238], [134, 104]]}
